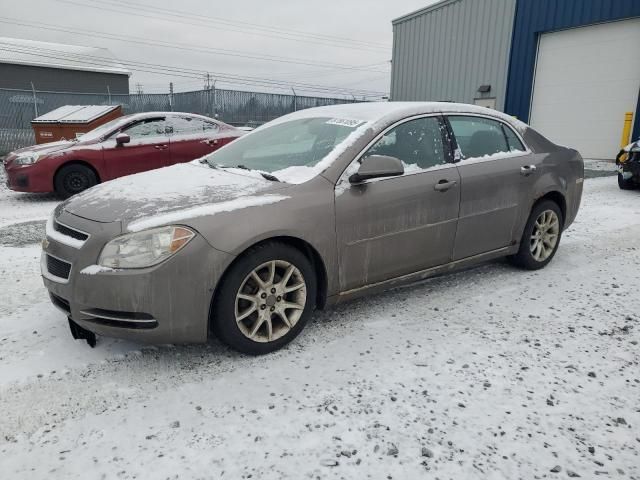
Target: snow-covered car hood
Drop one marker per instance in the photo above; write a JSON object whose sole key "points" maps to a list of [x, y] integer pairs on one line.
{"points": [[44, 148], [163, 192]]}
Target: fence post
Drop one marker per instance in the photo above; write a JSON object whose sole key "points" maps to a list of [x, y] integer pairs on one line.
{"points": [[171, 96], [35, 100], [295, 100], [215, 99]]}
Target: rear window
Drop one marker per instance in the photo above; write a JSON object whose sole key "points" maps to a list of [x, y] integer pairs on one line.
{"points": [[479, 137]]}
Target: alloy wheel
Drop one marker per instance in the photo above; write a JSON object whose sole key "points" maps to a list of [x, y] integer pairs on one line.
{"points": [[270, 301], [544, 236]]}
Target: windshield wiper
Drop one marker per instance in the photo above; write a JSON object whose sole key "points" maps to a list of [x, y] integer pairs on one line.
{"points": [[268, 176], [265, 175]]}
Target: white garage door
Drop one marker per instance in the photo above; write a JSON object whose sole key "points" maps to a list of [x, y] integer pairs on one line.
{"points": [[586, 79]]}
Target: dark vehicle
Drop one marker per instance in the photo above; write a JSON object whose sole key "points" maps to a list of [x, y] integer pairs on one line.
{"points": [[126, 145], [628, 162]]}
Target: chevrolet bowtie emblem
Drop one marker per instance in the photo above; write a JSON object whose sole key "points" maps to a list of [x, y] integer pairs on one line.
{"points": [[45, 244]]}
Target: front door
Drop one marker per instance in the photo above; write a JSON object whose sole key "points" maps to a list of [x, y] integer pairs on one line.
{"points": [[394, 226], [496, 176], [147, 150]]}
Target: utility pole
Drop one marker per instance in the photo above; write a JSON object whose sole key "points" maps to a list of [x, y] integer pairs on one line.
{"points": [[109, 93], [139, 90], [171, 96], [295, 100], [207, 93], [35, 100]]}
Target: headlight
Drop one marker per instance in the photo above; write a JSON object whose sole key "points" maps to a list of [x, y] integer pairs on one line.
{"points": [[144, 249], [27, 159]]}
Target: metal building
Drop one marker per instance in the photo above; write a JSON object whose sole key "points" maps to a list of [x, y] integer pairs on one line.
{"points": [[56, 67], [568, 67]]}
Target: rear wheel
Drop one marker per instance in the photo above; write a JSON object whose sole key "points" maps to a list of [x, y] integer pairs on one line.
{"points": [[73, 179], [265, 299], [541, 236], [625, 183]]}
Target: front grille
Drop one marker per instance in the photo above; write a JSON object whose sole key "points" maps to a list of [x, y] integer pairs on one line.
{"points": [[58, 268], [60, 302], [69, 232]]}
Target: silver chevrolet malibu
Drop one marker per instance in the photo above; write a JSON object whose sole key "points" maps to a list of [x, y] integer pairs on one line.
{"points": [[309, 210]]}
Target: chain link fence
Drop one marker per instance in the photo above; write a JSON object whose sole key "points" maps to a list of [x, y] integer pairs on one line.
{"points": [[19, 107]]}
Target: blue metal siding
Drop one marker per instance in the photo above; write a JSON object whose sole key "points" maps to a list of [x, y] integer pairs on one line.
{"points": [[534, 17]]}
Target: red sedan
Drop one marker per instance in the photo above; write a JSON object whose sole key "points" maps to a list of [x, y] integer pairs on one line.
{"points": [[127, 145]]}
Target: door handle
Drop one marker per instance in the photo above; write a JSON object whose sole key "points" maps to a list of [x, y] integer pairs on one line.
{"points": [[161, 147], [444, 185], [527, 170]]}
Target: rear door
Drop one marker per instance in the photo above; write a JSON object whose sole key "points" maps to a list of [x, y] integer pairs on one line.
{"points": [[147, 150], [390, 227], [192, 137], [497, 174]]}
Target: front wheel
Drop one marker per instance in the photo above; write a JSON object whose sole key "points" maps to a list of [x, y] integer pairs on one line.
{"points": [[625, 183], [541, 236], [265, 299], [74, 178]]}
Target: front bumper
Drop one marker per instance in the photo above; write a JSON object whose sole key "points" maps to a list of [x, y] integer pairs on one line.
{"points": [[630, 169], [166, 303], [36, 178]]}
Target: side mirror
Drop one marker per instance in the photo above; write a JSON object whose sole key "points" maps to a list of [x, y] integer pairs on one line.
{"points": [[377, 166], [122, 138]]}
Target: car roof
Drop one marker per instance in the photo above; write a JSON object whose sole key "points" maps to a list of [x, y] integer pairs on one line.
{"points": [[384, 112], [144, 115]]}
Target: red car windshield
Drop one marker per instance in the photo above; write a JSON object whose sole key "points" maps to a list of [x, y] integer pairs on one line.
{"points": [[102, 130]]}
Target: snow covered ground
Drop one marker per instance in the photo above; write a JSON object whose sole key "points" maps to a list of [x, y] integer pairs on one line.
{"points": [[491, 373]]}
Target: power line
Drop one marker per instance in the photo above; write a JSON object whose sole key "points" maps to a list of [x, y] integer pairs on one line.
{"points": [[250, 24], [170, 70], [179, 46], [233, 26], [181, 72]]}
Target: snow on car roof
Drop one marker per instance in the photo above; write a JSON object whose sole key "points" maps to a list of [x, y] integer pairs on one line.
{"points": [[381, 111]]}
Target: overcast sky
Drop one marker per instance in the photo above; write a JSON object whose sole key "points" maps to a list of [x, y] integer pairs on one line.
{"points": [[367, 23]]}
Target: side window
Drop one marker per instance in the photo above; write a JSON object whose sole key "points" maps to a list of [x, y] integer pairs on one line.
{"points": [[189, 126], [154, 127], [418, 143], [478, 137], [515, 145]]}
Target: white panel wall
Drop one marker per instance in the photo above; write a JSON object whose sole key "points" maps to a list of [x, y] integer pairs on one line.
{"points": [[586, 79]]}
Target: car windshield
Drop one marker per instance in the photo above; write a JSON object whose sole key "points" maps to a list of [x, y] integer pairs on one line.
{"points": [[297, 143], [100, 131]]}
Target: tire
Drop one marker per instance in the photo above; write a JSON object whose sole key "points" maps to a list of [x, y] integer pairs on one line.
{"points": [[235, 318], [530, 256], [72, 179], [627, 184]]}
